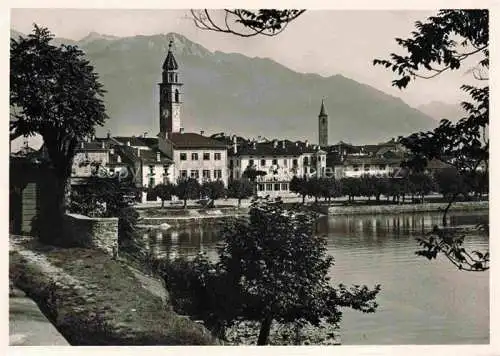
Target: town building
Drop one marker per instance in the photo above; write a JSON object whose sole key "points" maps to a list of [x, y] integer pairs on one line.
{"points": [[381, 160], [279, 160]]}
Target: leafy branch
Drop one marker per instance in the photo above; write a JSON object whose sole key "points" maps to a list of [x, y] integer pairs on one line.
{"points": [[245, 23]]}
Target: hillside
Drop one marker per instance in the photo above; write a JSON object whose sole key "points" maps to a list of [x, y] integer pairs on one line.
{"points": [[439, 110], [232, 93]]}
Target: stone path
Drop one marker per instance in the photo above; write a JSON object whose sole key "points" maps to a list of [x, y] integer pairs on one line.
{"points": [[27, 324]]}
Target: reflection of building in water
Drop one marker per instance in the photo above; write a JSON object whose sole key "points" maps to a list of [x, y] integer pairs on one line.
{"points": [[174, 236]]}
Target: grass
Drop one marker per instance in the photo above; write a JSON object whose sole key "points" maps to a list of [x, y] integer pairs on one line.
{"points": [[112, 309]]}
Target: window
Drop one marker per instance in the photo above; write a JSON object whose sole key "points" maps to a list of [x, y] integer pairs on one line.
{"points": [[194, 173], [269, 187], [176, 95], [355, 167], [217, 173], [367, 167], [151, 170], [263, 162], [217, 156], [238, 163], [306, 161], [183, 156], [276, 186], [184, 173], [111, 170], [206, 156], [295, 162], [275, 162], [230, 163], [194, 156], [165, 170], [206, 174], [151, 182], [382, 166], [250, 162], [285, 162], [284, 186], [260, 187]]}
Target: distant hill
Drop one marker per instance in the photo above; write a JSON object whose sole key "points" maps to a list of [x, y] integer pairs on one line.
{"points": [[232, 93], [439, 110]]}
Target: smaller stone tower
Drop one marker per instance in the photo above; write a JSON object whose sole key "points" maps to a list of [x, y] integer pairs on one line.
{"points": [[323, 126]]}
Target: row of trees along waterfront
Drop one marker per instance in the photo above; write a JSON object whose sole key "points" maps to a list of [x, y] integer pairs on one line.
{"points": [[448, 182], [190, 188]]}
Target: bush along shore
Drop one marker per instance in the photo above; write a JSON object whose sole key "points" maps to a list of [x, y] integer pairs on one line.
{"points": [[241, 332], [95, 300]]}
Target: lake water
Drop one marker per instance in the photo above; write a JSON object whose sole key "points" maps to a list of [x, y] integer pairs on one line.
{"points": [[421, 302]]}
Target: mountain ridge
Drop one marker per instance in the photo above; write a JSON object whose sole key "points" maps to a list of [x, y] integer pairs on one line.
{"points": [[233, 93]]}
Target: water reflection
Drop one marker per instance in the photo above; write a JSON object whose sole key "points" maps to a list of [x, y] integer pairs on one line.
{"points": [[422, 302]]}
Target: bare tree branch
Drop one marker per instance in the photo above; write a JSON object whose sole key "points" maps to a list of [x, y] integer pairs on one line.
{"points": [[246, 23]]}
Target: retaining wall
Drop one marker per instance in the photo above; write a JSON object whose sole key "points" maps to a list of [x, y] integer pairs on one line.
{"points": [[84, 231], [396, 209]]}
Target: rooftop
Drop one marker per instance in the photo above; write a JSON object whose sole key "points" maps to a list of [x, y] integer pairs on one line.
{"points": [[194, 140]]}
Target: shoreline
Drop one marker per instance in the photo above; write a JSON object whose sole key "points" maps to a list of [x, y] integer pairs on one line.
{"points": [[198, 216]]}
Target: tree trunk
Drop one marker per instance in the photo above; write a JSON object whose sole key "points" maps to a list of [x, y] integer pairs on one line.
{"points": [[185, 203], [239, 202], [303, 199], [445, 212], [162, 203], [50, 218], [265, 329]]}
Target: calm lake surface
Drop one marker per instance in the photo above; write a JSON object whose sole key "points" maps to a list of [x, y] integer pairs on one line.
{"points": [[421, 302]]}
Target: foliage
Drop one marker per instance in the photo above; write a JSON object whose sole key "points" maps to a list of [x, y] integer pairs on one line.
{"points": [[273, 268], [240, 189], [107, 197], [421, 184], [251, 173], [446, 40], [441, 43], [299, 186], [351, 187], [164, 192], [245, 22], [54, 92], [450, 243], [187, 188], [450, 182], [213, 190]]}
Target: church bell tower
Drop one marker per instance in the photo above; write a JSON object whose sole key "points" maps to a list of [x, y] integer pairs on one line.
{"points": [[170, 96], [323, 126]]}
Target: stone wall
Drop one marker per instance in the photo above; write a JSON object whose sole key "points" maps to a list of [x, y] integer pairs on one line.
{"points": [[396, 209], [84, 231]]}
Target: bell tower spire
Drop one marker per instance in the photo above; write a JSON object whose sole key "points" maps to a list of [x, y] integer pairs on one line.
{"points": [[323, 125], [170, 95]]}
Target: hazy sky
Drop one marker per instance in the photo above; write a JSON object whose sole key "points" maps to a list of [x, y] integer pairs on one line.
{"points": [[324, 42]]}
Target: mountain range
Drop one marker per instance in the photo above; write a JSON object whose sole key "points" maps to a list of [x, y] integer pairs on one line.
{"points": [[232, 93], [439, 110]]}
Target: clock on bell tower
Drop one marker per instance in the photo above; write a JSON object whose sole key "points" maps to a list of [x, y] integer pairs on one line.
{"points": [[170, 96]]}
